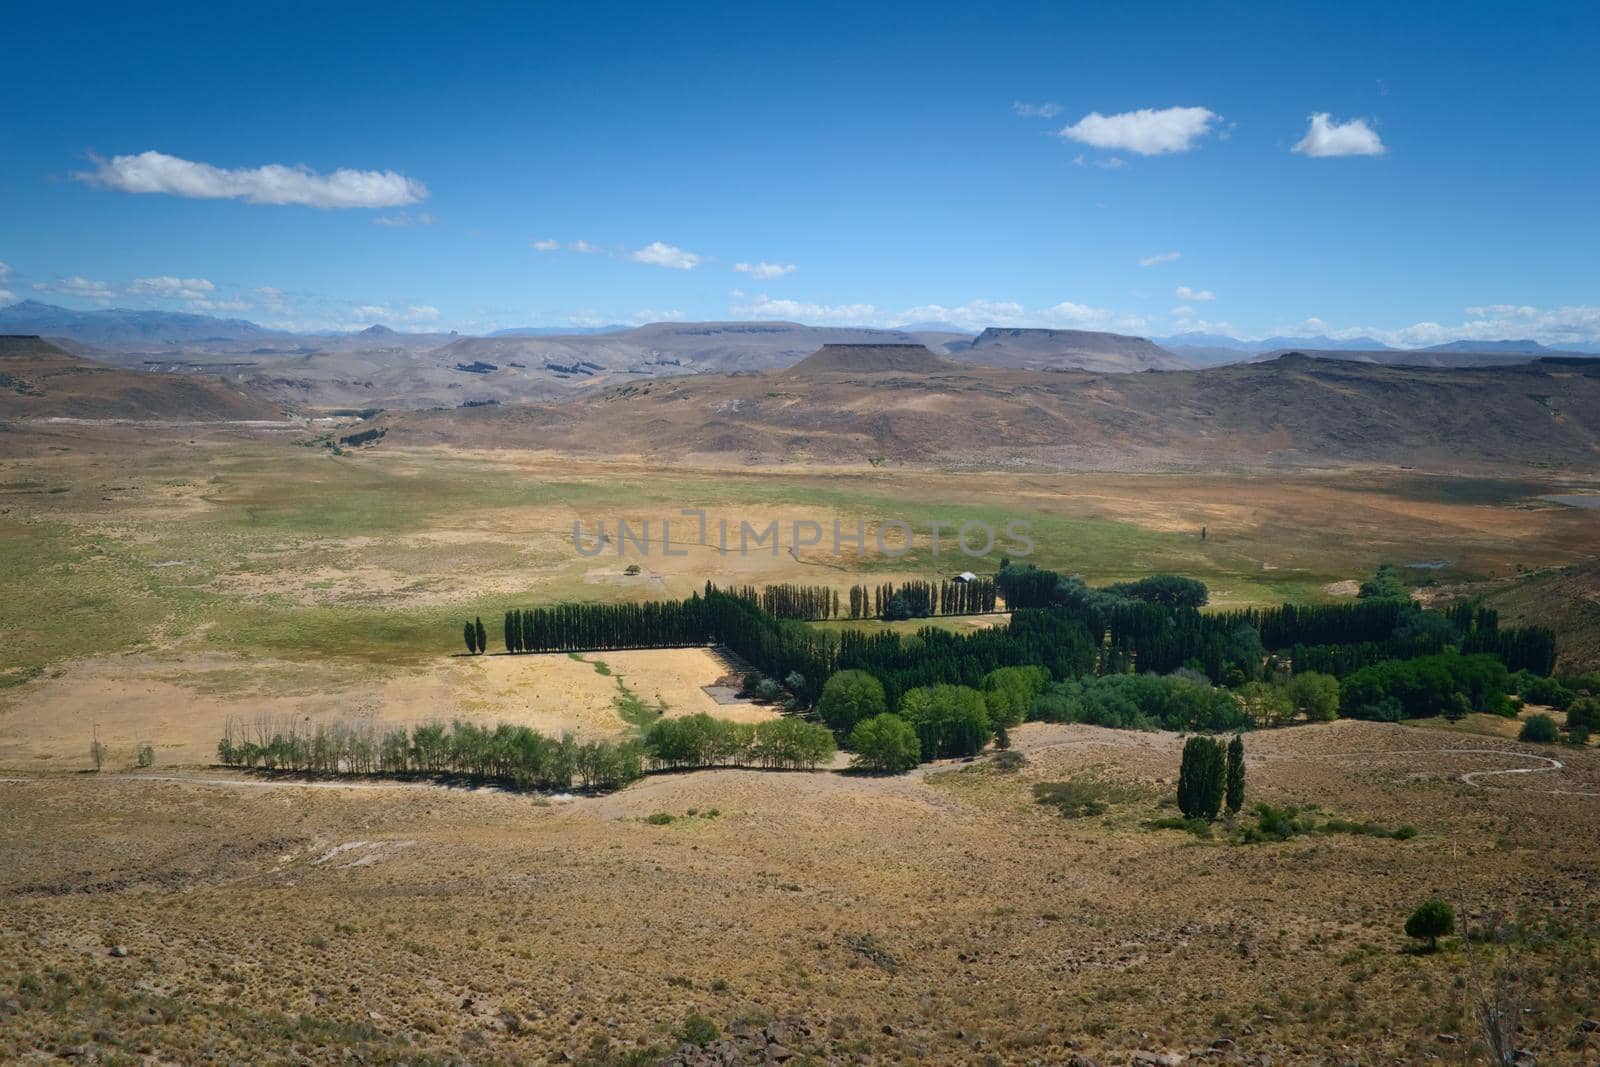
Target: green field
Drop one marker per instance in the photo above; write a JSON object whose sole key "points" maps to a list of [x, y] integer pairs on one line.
{"points": [[286, 552]]}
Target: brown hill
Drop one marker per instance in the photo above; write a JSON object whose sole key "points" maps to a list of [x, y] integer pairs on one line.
{"points": [[872, 359], [38, 380], [1293, 411], [1005, 346]]}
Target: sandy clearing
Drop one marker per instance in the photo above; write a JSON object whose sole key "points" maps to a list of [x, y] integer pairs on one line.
{"points": [[179, 706]]}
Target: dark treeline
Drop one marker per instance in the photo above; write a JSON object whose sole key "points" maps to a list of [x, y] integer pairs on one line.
{"points": [[810, 602], [918, 600], [581, 627], [908, 600]]}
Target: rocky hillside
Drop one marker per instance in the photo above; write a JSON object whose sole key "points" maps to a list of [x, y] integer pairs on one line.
{"points": [[38, 380], [1291, 411]]}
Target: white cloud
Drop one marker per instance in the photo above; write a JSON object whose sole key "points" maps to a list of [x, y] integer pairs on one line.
{"points": [[764, 269], [6, 295], [83, 288], [586, 248], [974, 314], [659, 254], [1111, 163], [156, 172], [548, 245], [405, 218], [1147, 132], [1160, 258], [1047, 110], [170, 288], [1328, 138], [1183, 292]]}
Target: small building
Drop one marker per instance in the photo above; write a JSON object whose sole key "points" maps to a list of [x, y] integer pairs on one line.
{"points": [[964, 577]]}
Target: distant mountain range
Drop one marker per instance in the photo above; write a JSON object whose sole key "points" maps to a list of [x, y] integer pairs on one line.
{"points": [[381, 366]]}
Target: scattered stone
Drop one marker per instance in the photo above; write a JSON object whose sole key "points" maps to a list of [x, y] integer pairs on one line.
{"points": [[1144, 1058], [118, 951]]}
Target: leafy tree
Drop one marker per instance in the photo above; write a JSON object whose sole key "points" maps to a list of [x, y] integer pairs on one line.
{"points": [[471, 637], [1201, 778], [1316, 695], [97, 753], [850, 697], [1265, 703], [1432, 920], [482, 635], [951, 720], [1233, 793], [1539, 728], [1008, 692], [885, 743]]}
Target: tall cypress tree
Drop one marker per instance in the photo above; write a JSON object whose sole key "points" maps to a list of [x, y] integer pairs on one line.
{"points": [[1234, 794], [1200, 779], [482, 635], [471, 637]]}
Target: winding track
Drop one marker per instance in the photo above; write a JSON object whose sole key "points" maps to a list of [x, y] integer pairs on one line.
{"points": [[1471, 777]]}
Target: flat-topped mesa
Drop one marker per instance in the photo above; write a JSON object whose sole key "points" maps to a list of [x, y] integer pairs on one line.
{"points": [[873, 359]]}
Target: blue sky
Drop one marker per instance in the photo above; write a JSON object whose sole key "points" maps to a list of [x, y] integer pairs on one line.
{"points": [[1149, 182]]}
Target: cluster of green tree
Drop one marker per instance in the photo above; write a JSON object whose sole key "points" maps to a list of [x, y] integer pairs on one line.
{"points": [[918, 600], [584, 627], [475, 636], [941, 720], [1179, 701], [702, 741], [781, 647], [1448, 684], [510, 755], [1155, 626], [1210, 776]]}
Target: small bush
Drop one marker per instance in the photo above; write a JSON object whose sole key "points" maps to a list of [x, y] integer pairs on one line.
{"points": [[1198, 827], [146, 756], [1009, 761], [659, 818], [1540, 729], [698, 1030], [1077, 800]]}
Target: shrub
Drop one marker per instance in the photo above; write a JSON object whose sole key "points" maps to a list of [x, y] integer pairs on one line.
{"points": [[659, 818], [1539, 728], [1432, 920], [146, 756], [698, 1030], [1201, 778], [1584, 713], [850, 697], [885, 743], [1074, 800], [1008, 762], [1198, 827]]}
